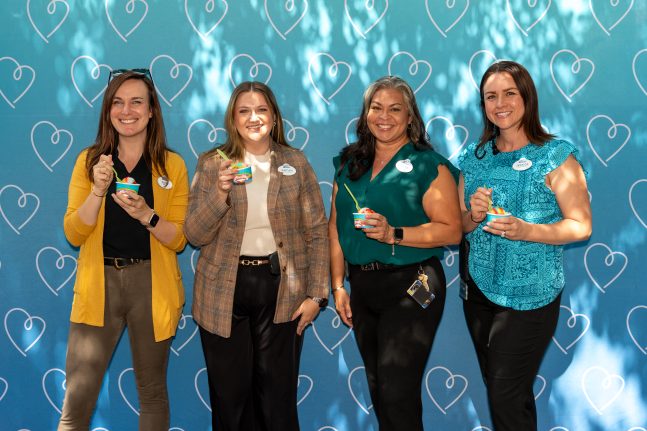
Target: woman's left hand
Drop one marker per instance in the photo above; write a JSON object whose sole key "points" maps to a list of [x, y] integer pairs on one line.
{"points": [[308, 311], [133, 204], [381, 230], [508, 227]]}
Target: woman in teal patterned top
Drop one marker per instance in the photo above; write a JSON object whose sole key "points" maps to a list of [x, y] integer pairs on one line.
{"points": [[512, 267], [393, 170]]}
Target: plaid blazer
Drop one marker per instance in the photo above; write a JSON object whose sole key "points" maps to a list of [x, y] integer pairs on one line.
{"points": [[298, 221]]}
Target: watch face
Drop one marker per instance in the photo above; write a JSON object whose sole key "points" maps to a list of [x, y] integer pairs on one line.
{"points": [[154, 220], [398, 233]]}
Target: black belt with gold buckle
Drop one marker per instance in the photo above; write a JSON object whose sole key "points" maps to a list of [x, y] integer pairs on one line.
{"points": [[122, 262]]}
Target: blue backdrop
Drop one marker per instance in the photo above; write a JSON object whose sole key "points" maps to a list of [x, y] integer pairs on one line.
{"points": [[589, 60]]}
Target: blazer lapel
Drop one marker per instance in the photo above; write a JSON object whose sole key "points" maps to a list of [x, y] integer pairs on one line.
{"points": [[276, 157]]}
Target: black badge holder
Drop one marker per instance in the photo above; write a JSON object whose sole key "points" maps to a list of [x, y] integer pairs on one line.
{"points": [[420, 291], [275, 265]]}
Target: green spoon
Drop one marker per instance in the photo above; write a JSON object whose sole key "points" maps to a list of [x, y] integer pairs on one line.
{"points": [[351, 195]]}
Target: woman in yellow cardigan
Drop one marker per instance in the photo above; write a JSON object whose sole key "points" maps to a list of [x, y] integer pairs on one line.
{"points": [[127, 269]]}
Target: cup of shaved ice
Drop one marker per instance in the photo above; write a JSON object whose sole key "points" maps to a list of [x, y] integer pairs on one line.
{"points": [[127, 183], [359, 218], [243, 172], [496, 213]]}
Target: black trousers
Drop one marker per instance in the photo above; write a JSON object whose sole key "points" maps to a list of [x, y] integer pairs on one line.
{"points": [[510, 345], [253, 374], [394, 335]]}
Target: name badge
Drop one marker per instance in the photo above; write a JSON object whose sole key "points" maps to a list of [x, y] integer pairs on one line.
{"points": [[164, 183], [287, 170], [522, 164], [404, 166]]}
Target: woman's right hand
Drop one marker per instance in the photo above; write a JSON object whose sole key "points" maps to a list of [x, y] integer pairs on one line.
{"points": [[102, 174], [225, 178], [479, 204], [342, 305]]}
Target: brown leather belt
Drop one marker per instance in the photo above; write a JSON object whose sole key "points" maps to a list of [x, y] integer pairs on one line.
{"points": [[122, 262]]}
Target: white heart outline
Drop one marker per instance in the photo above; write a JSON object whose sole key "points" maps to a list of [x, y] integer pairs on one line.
{"points": [[27, 324], [22, 198], [197, 391], [17, 76], [575, 68], [449, 261], [45, 389], [558, 428], [481, 428], [631, 203], [610, 254], [451, 132], [469, 64], [606, 382], [456, 21], [636, 429], [331, 428], [130, 4], [121, 391], [253, 71], [595, 17], [413, 67], [355, 119], [174, 73], [312, 384], [543, 386], [291, 133], [60, 260], [571, 322], [51, 9], [356, 27], [611, 134], [6, 388], [212, 137], [633, 69], [283, 35], [335, 323], [329, 184], [54, 140], [205, 35], [516, 23], [192, 259], [181, 325], [332, 71], [352, 394], [631, 335], [449, 384], [95, 73]]}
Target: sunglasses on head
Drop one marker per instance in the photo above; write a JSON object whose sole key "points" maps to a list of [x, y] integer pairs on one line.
{"points": [[116, 72]]}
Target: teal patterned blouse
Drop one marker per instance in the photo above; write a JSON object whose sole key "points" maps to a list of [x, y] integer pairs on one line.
{"points": [[517, 274]]}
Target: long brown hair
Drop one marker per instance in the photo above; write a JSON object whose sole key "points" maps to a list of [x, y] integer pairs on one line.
{"points": [[107, 137], [234, 146], [361, 154], [530, 121]]}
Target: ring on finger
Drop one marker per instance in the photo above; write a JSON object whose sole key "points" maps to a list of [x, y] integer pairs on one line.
{"points": [[503, 234]]}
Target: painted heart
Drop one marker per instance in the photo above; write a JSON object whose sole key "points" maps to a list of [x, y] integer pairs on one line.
{"points": [[327, 427], [291, 133], [542, 386], [609, 262], [326, 193], [4, 385], [450, 265], [200, 141], [208, 16], [33, 328], [194, 258], [558, 428], [55, 262], [51, 145], [481, 428], [442, 24], [455, 136], [202, 386], [332, 75], [529, 9], [349, 132], [416, 70], [21, 85], [335, 335], [632, 191], [17, 207], [90, 77], [132, 22], [288, 17], [610, 11], [637, 319], [251, 72], [601, 388], [55, 20], [573, 330], [569, 73], [614, 140], [366, 17], [173, 78], [134, 405], [186, 331], [53, 384], [303, 393], [483, 64], [451, 390], [634, 70], [359, 389]]}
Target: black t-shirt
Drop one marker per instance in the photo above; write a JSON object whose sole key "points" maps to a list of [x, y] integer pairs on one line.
{"points": [[124, 236]]}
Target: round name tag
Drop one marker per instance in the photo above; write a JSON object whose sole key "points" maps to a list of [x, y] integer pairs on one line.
{"points": [[287, 170], [522, 164], [404, 165], [164, 183]]}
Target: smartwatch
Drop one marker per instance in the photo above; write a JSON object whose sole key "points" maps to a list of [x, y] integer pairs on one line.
{"points": [[154, 219], [398, 235], [317, 300]]}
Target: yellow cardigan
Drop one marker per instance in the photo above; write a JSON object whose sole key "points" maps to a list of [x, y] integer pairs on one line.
{"points": [[89, 287]]}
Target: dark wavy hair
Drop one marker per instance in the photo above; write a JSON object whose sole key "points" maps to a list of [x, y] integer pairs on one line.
{"points": [[360, 155], [530, 121]]}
